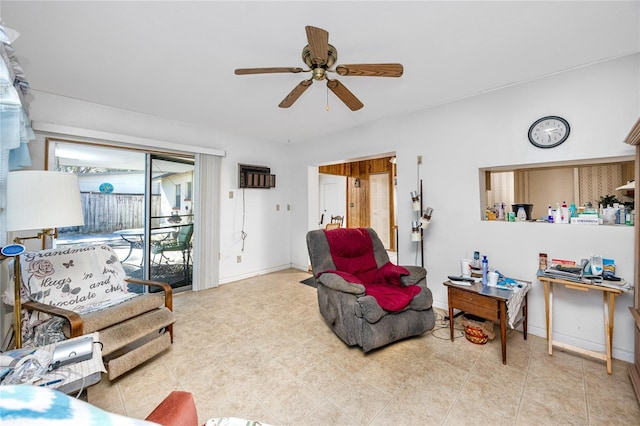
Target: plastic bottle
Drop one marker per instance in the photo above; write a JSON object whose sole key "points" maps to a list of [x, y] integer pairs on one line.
{"points": [[596, 265], [485, 270], [542, 262], [564, 213], [550, 214], [522, 215]]}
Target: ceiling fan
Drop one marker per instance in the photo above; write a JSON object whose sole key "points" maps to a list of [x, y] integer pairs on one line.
{"points": [[320, 56]]}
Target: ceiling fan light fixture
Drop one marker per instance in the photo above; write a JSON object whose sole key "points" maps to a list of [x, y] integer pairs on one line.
{"points": [[319, 73]]}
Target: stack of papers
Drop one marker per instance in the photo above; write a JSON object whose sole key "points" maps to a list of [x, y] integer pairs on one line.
{"points": [[563, 275], [585, 279], [463, 280], [620, 285]]}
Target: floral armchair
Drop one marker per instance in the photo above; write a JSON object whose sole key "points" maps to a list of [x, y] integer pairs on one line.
{"points": [[72, 291]]}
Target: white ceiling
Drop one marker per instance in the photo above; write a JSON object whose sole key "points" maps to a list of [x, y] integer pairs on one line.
{"points": [[176, 59]]}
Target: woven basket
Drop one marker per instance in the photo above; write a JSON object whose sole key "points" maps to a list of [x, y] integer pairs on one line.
{"points": [[475, 335]]}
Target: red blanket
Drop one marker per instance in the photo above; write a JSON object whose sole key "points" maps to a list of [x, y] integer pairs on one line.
{"points": [[352, 253]]}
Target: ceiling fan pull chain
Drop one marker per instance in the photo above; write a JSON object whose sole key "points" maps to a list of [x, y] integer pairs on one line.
{"points": [[327, 108]]}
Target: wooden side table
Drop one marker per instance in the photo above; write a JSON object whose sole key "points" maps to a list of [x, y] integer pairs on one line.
{"points": [[608, 296], [486, 302]]}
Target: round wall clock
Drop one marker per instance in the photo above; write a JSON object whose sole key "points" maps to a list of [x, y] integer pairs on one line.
{"points": [[549, 132]]}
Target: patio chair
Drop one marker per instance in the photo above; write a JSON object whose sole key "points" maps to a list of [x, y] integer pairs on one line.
{"points": [[181, 243], [337, 219]]}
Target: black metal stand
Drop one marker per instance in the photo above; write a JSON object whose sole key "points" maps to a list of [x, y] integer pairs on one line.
{"points": [[421, 230]]}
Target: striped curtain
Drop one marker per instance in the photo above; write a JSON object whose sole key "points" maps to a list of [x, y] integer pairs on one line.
{"points": [[206, 236]]}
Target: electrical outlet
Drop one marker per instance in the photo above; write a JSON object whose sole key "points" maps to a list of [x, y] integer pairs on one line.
{"points": [[419, 159], [239, 259], [230, 194], [277, 207], [288, 207]]}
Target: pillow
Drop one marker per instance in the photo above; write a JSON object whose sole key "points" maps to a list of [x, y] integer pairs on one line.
{"points": [[76, 278], [31, 405]]}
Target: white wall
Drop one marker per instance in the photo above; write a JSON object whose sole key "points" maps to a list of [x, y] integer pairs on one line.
{"points": [[266, 246], [601, 103]]}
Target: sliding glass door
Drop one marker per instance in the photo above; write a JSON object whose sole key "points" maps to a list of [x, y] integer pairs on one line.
{"points": [[140, 203], [171, 221]]}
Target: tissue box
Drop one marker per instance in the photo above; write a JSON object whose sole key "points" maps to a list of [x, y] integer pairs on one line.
{"points": [[608, 268]]}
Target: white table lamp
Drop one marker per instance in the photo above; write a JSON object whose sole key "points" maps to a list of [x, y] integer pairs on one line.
{"points": [[39, 200]]}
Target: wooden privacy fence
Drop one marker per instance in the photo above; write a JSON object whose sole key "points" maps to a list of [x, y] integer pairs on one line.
{"points": [[105, 213]]}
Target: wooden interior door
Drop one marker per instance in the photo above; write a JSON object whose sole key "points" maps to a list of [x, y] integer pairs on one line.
{"points": [[634, 369], [357, 199]]}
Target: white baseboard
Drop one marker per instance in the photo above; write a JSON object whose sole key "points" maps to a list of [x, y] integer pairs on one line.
{"points": [[252, 274], [618, 354]]}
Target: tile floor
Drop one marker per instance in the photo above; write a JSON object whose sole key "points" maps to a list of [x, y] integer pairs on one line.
{"points": [[258, 349]]}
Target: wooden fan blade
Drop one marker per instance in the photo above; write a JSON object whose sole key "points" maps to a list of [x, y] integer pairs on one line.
{"points": [[371, 70], [295, 93], [244, 71], [345, 95], [318, 44]]}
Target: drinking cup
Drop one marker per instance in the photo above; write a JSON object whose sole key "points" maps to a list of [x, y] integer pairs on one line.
{"points": [[493, 278], [465, 267]]}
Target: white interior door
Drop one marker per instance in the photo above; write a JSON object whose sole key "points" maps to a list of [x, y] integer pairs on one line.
{"points": [[332, 198], [379, 207]]}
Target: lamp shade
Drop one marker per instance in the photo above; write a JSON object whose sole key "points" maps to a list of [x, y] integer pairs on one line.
{"points": [[629, 185], [38, 199]]}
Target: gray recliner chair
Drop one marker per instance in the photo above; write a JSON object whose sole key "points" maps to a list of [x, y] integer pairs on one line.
{"points": [[356, 317]]}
